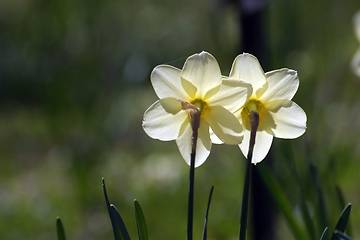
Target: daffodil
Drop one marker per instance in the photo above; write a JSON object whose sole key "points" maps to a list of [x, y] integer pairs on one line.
{"points": [[355, 63], [271, 98], [196, 89]]}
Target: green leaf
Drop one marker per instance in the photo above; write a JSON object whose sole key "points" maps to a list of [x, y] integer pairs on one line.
{"points": [[341, 236], [323, 220], [324, 234], [116, 230], [140, 221], [60, 229], [120, 223], [207, 214], [310, 226], [307, 218], [341, 224], [340, 196], [283, 203], [342, 206]]}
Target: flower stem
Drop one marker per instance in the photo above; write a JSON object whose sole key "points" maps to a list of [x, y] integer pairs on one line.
{"points": [[194, 115], [254, 122], [191, 198]]}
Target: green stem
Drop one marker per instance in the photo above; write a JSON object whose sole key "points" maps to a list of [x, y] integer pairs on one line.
{"points": [[191, 198], [245, 201], [194, 115], [254, 122]]}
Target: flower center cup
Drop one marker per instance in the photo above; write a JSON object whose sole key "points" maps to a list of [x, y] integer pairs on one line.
{"points": [[200, 104], [252, 106]]}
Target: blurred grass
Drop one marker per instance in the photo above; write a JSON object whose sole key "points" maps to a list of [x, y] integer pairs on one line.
{"points": [[74, 83]]}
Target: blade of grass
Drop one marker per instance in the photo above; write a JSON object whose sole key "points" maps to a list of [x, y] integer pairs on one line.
{"points": [[322, 213], [342, 205], [341, 224], [60, 229], [283, 203], [340, 197], [140, 221], [207, 214], [341, 236], [323, 236], [120, 223], [116, 231], [310, 226]]}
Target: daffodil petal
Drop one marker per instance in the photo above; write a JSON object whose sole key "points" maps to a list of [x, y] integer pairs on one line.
{"points": [[282, 84], [355, 63], [288, 119], [201, 73], [232, 95], [214, 138], [163, 119], [203, 145], [247, 68], [263, 142], [167, 83], [224, 124]]}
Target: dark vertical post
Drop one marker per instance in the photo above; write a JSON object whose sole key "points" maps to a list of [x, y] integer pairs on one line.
{"points": [[254, 41]]}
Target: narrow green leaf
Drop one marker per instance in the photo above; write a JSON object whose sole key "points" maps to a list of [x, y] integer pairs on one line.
{"points": [[341, 224], [116, 231], [342, 206], [282, 201], [324, 234], [321, 208], [207, 214], [310, 226], [341, 236], [120, 223], [340, 196], [140, 221], [60, 229]]}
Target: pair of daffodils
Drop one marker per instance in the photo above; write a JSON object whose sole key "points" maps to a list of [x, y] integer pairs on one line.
{"points": [[224, 105]]}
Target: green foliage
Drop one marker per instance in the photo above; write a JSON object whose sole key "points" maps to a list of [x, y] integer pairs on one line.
{"points": [[207, 214], [140, 221], [119, 224], [342, 204], [341, 236], [341, 224], [283, 203], [279, 196], [60, 229], [116, 230], [323, 236]]}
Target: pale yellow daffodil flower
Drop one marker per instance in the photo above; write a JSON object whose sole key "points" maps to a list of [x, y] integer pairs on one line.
{"points": [[355, 62], [199, 84], [271, 98]]}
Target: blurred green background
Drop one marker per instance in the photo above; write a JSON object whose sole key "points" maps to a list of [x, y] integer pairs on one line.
{"points": [[74, 84]]}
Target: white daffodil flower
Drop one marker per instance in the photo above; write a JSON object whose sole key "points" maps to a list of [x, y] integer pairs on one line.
{"points": [[199, 85], [271, 98], [355, 62]]}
